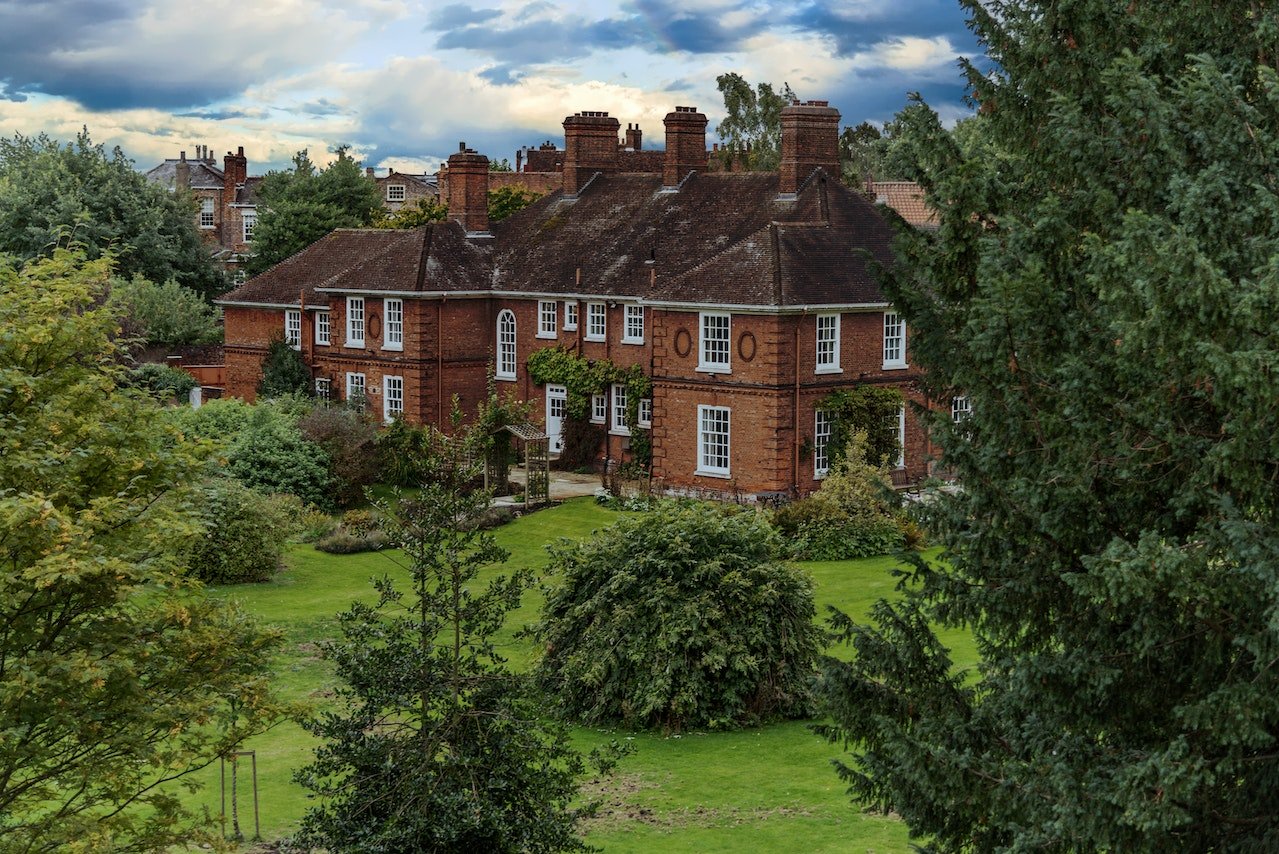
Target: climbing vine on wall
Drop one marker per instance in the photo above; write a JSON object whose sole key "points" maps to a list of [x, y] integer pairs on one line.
{"points": [[583, 378], [865, 407]]}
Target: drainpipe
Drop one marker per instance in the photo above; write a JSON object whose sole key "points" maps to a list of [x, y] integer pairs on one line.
{"points": [[439, 364], [795, 438]]}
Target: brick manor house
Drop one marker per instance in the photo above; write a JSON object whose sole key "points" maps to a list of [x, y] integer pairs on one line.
{"points": [[746, 297]]}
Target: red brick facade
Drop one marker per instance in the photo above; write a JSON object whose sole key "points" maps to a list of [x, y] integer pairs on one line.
{"points": [[725, 279]]}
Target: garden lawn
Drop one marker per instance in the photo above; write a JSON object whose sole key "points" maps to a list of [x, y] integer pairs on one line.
{"points": [[766, 789]]}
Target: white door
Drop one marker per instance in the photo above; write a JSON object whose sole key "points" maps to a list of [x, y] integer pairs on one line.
{"points": [[556, 401]]}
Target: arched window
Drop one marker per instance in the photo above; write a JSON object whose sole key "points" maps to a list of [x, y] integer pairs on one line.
{"points": [[506, 345]]}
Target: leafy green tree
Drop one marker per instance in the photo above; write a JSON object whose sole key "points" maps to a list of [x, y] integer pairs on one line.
{"points": [[301, 205], [753, 118], [1104, 291], [417, 213], [116, 675], [284, 372], [167, 313], [49, 190], [437, 747], [505, 201], [683, 617]]}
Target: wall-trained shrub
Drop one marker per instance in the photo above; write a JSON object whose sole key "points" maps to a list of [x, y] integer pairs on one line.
{"points": [[684, 617]]}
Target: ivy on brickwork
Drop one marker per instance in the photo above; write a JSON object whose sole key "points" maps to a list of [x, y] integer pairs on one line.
{"points": [[582, 378], [865, 407]]}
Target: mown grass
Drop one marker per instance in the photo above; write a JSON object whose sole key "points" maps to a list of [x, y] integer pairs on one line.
{"points": [[770, 788]]}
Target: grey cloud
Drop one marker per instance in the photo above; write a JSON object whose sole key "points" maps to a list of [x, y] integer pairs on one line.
{"points": [[458, 15]]}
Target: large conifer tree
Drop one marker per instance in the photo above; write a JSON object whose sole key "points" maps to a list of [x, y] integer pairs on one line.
{"points": [[1104, 287]]}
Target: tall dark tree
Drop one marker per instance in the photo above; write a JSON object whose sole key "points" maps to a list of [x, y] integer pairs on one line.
{"points": [[1104, 289], [437, 746], [51, 191], [301, 205]]}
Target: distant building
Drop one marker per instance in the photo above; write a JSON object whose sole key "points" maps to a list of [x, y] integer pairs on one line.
{"points": [[746, 297]]}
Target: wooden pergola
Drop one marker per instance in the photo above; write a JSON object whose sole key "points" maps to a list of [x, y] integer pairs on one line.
{"points": [[537, 463]]}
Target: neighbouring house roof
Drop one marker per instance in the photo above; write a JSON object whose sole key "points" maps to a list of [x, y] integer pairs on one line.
{"points": [[905, 197], [204, 175], [247, 193], [724, 239]]}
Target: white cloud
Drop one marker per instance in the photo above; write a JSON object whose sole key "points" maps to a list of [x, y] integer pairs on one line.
{"points": [[908, 53]]}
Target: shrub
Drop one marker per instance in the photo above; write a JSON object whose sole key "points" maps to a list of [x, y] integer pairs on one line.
{"points": [[245, 533], [349, 439], [854, 514], [406, 454], [284, 372], [343, 541], [271, 455], [164, 381], [682, 617]]}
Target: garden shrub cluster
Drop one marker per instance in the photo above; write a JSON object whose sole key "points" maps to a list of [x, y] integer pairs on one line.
{"points": [[855, 513], [684, 617], [167, 383]]}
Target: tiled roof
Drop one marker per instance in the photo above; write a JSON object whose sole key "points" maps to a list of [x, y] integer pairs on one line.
{"points": [[204, 176], [905, 197], [247, 194], [724, 239]]}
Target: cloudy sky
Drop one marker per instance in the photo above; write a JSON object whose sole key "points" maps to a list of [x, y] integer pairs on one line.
{"points": [[403, 81]]}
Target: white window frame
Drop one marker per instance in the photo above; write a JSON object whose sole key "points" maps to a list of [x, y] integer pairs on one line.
{"points": [[506, 346], [323, 388], [894, 341], [596, 311], [827, 343], [633, 324], [240, 276], [570, 316], [645, 418], [901, 437], [392, 394], [248, 219], [547, 313], [960, 408], [356, 382], [355, 321], [293, 327], [822, 423], [619, 427], [393, 329], [206, 213], [704, 321], [395, 192], [323, 328], [599, 408], [709, 416]]}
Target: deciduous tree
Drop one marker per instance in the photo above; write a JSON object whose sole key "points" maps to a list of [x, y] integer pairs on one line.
{"points": [[1103, 287], [752, 120], [116, 675], [301, 205], [49, 190]]}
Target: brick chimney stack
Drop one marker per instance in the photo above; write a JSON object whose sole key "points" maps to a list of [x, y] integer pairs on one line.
{"points": [[685, 144], [182, 173], [235, 169], [634, 137], [590, 146], [810, 138], [468, 193]]}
